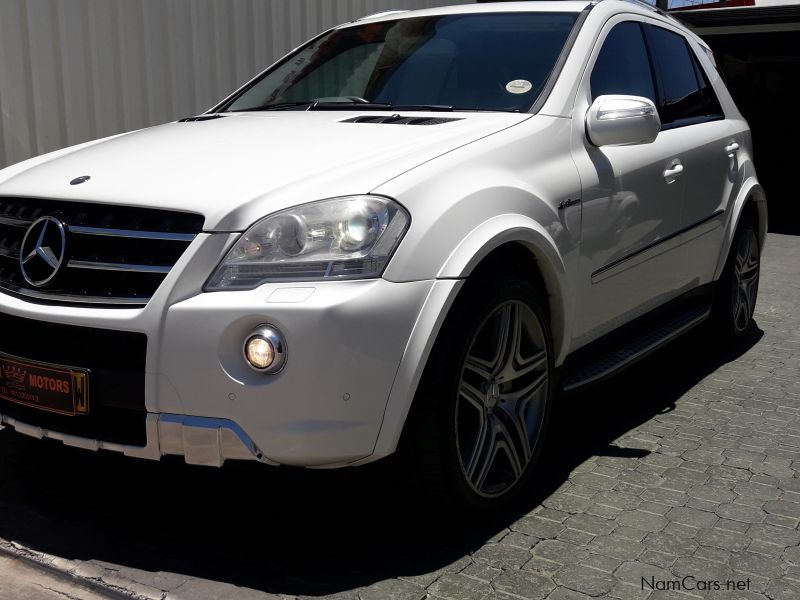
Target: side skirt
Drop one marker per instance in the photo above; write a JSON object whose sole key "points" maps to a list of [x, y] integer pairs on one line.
{"points": [[622, 348]]}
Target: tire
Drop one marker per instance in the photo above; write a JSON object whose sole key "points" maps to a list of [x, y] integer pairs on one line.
{"points": [[737, 289], [477, 423]]}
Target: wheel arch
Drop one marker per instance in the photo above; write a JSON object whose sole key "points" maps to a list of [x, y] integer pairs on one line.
{"points": [[531, 245], [750, 203], [510, 237]]}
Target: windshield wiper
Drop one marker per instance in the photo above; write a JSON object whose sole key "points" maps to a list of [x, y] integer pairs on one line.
{"points": [[316, 105], [379, 106], [492, 110], [277, 106]]}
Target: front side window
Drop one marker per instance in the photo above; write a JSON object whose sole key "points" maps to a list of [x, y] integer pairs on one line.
{"points": [[682, 99], [494, 61], [622, 66]]}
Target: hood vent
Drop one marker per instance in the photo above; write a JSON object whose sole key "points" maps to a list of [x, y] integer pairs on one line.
{"points": [[400, 120], [199, 118]]}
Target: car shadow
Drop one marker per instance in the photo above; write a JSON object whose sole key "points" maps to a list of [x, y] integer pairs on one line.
{"points": [[301, 532]]}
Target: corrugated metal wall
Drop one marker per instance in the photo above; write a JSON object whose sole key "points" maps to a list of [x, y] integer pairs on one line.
{"points": [[75, 70]]}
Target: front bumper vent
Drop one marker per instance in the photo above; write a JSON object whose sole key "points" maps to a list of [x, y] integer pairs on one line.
{"points": [[115, 255], [116, 364]]}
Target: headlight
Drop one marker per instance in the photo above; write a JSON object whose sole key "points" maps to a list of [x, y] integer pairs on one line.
{"points": [[340, 238]]}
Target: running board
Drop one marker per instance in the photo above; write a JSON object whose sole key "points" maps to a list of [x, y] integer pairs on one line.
{"points": [[626, 352]]}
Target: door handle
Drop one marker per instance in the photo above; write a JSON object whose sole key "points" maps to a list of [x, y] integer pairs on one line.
{"points": [[673, 171], [731, 149]]}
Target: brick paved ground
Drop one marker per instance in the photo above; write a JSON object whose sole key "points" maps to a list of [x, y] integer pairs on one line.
{"points": [[686, 465]]}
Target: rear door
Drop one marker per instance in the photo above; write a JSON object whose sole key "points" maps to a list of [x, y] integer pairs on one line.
{"points": [[711, 166]]}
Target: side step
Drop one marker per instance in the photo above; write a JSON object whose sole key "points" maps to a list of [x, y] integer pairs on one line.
{"points": [[627, 351]]}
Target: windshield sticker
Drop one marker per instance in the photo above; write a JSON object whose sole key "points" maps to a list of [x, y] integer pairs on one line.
{"points": [[519, 86]]}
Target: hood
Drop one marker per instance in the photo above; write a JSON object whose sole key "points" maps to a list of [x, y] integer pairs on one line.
{"points": [[238, 168]]}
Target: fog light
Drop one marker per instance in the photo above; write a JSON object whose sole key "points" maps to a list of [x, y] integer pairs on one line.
{"points": [[265, 350], [260, 352]]}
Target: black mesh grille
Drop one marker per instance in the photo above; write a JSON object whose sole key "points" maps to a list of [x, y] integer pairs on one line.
{"points": [[116, 364], [116, 255]]}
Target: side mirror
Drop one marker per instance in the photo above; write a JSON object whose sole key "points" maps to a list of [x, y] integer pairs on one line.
{"points": [[622, 121]]}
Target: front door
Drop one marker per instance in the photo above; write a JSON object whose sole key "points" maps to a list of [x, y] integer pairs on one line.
{"points": [[632, 196]]}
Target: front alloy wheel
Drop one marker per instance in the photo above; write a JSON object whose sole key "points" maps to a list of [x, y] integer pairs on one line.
{"points": [[479, 416], [501, 399]]}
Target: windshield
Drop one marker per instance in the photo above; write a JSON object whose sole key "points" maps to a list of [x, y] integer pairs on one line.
{"points": [[493, 61]]}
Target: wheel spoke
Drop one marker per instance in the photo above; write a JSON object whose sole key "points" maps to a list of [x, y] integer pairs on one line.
{"points": [[739, 310], [751, 289], [471, 395], [518, 452], [748, 270], [742, 256], [746, 309], [520, 367], [517, 406], [526, 393], [515, 365], [508, 340], [479, 366], [483, 456]]}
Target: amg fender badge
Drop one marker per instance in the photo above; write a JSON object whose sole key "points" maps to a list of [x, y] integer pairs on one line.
{"points": [[569, 202]]}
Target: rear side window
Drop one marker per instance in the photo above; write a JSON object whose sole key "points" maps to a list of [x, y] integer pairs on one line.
{"points": [[686, 94], [711, 106], [623, 66]]}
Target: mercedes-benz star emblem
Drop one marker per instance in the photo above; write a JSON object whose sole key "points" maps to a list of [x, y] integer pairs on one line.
{"points": [[43, 250], [80, 180]]}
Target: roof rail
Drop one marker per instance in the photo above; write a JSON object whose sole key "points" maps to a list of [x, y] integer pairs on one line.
{"points": [[381, 14], [652, 7], [643, 4]]}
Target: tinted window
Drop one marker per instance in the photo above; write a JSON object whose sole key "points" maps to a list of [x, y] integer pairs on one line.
{"points": [[682, 98], [486, 61], [711, 105], [622, 67]]}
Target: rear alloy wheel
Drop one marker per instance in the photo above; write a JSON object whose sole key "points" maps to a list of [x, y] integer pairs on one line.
{"points": [[481, 409], [736, 300]]}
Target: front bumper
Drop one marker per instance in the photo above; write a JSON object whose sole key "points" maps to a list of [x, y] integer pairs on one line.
{"points": [[345, 343], [201, 441]]}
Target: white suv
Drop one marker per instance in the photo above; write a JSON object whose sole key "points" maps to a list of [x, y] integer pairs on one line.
{"points": [[411, 233]]}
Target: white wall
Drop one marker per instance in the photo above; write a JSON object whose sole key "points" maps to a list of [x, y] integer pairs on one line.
{"points": [[75, 70]]}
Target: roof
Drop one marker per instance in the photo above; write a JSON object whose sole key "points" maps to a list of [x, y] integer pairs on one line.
{"points": [[500, 6], [558, 6]]}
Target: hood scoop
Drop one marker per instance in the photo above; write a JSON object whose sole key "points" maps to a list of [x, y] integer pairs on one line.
{"points": [[200, 118], [400, 120]]}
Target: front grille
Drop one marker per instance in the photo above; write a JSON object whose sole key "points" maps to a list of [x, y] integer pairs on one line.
{"points": [[115, 255], [116, 364]]}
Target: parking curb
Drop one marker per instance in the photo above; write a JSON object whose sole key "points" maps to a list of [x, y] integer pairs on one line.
{"points": [[41, 561]]}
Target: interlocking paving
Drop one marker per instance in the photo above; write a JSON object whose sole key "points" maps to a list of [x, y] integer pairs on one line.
{"points": [[683, 469]]}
